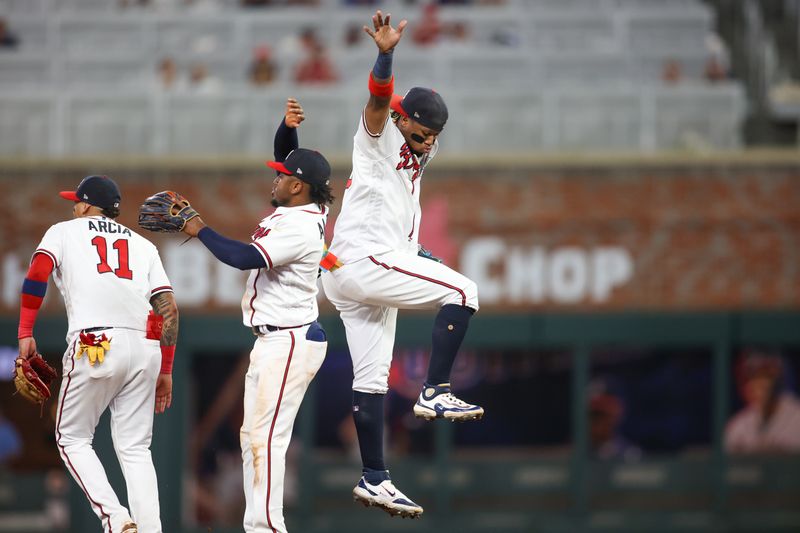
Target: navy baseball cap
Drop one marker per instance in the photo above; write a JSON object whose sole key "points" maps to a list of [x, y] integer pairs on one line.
{"points": [[307, 165], [426, 106], [100, 191]]}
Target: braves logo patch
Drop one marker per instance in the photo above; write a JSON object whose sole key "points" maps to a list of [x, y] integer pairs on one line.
{"points": [[260, 232], [408, 161]]}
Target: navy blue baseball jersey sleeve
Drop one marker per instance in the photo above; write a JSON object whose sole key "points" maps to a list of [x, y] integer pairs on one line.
{"points": [[234, 253], [285, 141]]}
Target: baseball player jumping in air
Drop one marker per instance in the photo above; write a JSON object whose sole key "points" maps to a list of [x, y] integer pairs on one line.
{"points": [[109, 277], [384, 268], [280, 306]]}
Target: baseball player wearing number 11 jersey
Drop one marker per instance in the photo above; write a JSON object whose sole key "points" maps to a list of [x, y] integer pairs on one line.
{"points": [[109, 277]]}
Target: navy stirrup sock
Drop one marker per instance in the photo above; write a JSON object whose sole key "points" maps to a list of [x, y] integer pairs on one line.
{"points": [[449, 329], [368, 416]]}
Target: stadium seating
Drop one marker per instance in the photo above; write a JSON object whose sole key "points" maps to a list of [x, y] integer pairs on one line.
{"points": [[556, 74]]}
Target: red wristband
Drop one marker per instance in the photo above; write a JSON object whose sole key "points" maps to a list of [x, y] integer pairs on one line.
{"points": [[27, 317], [167, 357], [381, 91]]}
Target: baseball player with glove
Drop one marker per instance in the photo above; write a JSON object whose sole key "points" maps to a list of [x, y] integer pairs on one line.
{"points": [[119, 351], [384, 268], [279, 305]]}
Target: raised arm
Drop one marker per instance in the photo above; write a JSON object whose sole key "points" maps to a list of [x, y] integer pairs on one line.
{"points": [[286, 134], [381, 81]]}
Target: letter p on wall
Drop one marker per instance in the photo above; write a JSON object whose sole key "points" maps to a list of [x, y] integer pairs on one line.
{"points": [[612, 266]]}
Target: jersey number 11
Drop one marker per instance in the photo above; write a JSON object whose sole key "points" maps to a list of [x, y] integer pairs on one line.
{"points": [[121, 246]]}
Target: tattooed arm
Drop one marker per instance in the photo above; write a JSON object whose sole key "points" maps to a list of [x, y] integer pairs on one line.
{"points": [[164, 305]]}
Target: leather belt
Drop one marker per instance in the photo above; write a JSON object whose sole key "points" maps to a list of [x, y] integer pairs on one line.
{"points": [[268, 328]]}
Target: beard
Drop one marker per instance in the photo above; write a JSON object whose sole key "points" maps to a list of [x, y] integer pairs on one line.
{"points": [[274, 203]]}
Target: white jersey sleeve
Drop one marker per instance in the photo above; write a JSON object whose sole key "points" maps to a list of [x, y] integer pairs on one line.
{"points": [[375, 146], [283, 244], [52, 245]]}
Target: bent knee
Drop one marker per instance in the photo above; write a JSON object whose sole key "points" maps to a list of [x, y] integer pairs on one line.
{"points": [[471, 292], [466, 295]]}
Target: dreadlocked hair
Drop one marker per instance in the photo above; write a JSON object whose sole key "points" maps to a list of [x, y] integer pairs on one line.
{"points": [[321, 194]]}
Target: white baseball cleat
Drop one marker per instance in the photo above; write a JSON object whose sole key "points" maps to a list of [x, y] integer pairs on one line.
{"points": [[386, 496], [436, 401]]}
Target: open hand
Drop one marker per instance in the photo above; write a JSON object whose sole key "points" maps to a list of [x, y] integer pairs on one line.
{"points": [[384, 35], [163, 393]]}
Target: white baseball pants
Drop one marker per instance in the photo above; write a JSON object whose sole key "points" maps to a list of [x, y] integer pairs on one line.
{"points": [[368, 294], [282, 365], [125, 383]]}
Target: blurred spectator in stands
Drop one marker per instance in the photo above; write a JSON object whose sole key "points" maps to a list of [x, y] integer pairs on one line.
{"points": [[10, 441], [263, 70], [671, 73], [714, 70], [353, 35], [770, 420], [297, 45], [428, 29], [316, 68], [200, 82], [458, 32], [718, 62], [309, 40], [168, 78], [257, 3], [606, 411], [7, 39]]}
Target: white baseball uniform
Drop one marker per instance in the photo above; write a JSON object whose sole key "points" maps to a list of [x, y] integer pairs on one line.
{"points": [[280, 303], [376, 238], [107, 275]]}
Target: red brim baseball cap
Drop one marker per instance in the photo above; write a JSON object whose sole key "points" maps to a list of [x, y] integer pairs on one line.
{"points": [[70, 195], [395, 105], [280, 167]]}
